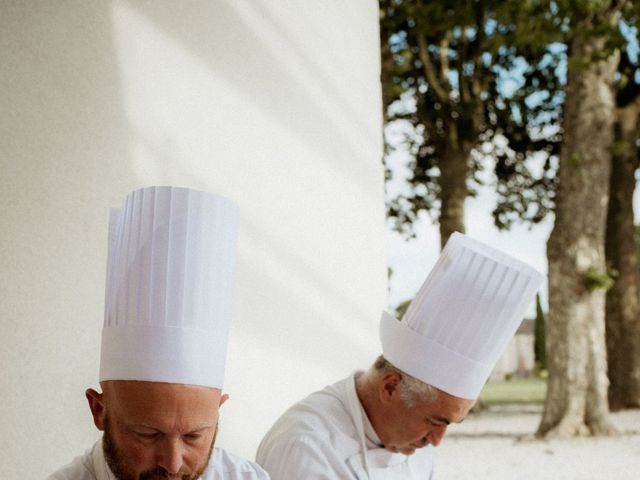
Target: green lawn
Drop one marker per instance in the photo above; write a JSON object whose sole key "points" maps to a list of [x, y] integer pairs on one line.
{"points": [[516, 390]]}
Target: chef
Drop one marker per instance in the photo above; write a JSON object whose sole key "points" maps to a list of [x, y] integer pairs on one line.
{"points": [[382, 423], [169, 282]]}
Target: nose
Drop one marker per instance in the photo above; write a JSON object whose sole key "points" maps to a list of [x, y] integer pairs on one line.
{"points": [[435, 436], [170, 456]]}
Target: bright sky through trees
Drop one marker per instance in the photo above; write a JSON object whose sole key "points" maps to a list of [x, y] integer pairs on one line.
{"points": [[411, 260]]}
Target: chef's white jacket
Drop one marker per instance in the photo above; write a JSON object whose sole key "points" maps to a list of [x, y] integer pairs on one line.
{"points": [[222, 466], [319, 438]]}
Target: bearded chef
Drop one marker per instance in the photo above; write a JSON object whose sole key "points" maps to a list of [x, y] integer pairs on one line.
{"points": [[168, 305], [383, 423]]}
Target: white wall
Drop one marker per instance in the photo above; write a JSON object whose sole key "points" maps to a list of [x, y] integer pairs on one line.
{"points": [[274, 104]]}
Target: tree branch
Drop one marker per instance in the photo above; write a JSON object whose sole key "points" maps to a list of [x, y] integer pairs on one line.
{"points": [[444, 60], [462, 56], [429, 70], [477, 51]]}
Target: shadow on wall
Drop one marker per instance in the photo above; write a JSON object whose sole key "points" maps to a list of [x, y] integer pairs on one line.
{"points": [[229, 47], [292, 287], [238, 51], [289, 286]]}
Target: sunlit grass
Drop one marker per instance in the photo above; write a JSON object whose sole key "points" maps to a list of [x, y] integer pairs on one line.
{"points": [[515, 390]]}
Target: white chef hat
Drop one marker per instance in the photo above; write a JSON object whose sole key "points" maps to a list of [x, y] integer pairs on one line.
{"points": [[170, 272], [462, 318]]}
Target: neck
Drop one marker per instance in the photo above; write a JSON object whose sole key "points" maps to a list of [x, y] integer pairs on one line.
{"points": [[366, 389]]}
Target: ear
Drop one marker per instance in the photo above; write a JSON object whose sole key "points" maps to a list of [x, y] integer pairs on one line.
{"points": [[389, 386], [96, 405], [223, 399]]}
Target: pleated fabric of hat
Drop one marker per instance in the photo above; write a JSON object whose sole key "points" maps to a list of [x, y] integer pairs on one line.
{"points": [[170, 272], [462, 318]]}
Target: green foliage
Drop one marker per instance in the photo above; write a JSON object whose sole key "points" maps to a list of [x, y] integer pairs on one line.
{"points": [[595, 279], [636, 237], [515, 390], [402, 309], [463, 74], [627, 84], [539, 339], [487, 77], [574, 161], [619, 147]]}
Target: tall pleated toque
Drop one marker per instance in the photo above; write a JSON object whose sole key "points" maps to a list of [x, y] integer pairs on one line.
{"points": [[462, 318], [170, 274]]}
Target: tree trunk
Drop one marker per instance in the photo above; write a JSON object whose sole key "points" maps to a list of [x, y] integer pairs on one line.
{"points": [[623, 308], [454, 169], [576, 402], [386, 74]]}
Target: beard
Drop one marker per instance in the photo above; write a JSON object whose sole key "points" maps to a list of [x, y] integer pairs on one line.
{"points": [[115, 459]]}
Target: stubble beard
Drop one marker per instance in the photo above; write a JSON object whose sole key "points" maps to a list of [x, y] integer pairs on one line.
{"points": [[115, 460]]}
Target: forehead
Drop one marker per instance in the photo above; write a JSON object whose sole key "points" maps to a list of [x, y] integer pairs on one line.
{"points": [[161, 404]]}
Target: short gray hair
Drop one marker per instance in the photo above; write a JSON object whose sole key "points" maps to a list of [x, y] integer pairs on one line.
{"points": [[412, 390]]}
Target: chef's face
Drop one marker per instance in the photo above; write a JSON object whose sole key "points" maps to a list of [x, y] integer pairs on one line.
{"points": [[156, 430], [406, 429]]}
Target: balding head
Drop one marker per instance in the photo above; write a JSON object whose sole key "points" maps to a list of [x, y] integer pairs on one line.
{"points": [[153, 427]]}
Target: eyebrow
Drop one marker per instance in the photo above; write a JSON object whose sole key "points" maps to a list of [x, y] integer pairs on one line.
{"points": [[149, 427], [206, 427]]}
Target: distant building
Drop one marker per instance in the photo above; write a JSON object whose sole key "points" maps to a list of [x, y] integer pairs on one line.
{"points": [[518, 358]]}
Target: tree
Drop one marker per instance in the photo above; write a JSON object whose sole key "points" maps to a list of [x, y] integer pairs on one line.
{"points": [[576, 402], [525, 197], [539, 339], [623, 301], [452, 62]]}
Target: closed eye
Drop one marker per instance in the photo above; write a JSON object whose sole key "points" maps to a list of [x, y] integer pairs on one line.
{"points": [[437, 423]]}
